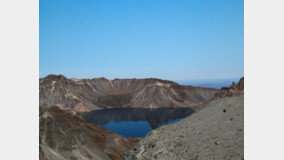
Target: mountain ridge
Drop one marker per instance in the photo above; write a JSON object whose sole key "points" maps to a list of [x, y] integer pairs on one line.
{"points": [[90, 94]]}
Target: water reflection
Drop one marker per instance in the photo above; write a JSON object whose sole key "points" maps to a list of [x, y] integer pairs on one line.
{"points": [[132, 122]]}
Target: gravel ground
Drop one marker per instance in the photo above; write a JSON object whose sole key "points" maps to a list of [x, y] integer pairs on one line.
{"points": [[214, 132]]}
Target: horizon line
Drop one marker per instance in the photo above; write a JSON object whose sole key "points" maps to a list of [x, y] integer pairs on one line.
{"points": [[192, 80]]}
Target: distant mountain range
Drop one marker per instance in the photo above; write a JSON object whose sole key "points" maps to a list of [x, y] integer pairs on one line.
{"points": [[217, 84], [90, 94]]}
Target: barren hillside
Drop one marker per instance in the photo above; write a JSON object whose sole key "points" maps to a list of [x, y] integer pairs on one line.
{"points": [[90, 94]]}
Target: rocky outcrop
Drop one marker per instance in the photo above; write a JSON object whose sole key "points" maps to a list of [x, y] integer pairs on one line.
{"points": [[90, 94], [233, 90], [214, 132], [65, 136]]}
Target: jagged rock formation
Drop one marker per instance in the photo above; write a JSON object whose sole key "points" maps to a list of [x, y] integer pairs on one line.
{"points": [[65, 136], [89, 94], [213, 132], [234, 89]]}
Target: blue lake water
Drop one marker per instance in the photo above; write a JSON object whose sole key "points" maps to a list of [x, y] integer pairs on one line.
{"points": [[135, 122]]}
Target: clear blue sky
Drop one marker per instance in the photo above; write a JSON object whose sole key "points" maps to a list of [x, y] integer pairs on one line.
{"points": [[168, 39]]}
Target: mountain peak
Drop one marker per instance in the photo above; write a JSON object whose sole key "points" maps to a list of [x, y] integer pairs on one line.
{"points": [[55, 77], [90, 94]]}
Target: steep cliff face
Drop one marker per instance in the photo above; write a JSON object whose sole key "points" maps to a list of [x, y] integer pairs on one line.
{"points": [[65, 136], [90, 94]]}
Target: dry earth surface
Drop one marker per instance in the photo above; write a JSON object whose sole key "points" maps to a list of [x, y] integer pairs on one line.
{"points": [[214, 132]]}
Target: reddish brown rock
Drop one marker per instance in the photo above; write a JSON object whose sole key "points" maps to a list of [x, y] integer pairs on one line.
{"points": [[64, 135], [89, 94]]}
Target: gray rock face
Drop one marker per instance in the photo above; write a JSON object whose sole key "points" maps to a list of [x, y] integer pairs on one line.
{"points": [[214, 132]]}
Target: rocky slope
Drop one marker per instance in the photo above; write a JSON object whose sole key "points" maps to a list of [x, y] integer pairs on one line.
{"points": [[65, 136], [214, 132], [89, 94]]}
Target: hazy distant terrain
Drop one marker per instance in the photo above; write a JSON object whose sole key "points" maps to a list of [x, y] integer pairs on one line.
{"points": [[217, 84]]}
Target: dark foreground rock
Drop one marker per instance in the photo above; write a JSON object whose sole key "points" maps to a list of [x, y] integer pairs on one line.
{"points": [[214, 132], [65, 136]]}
